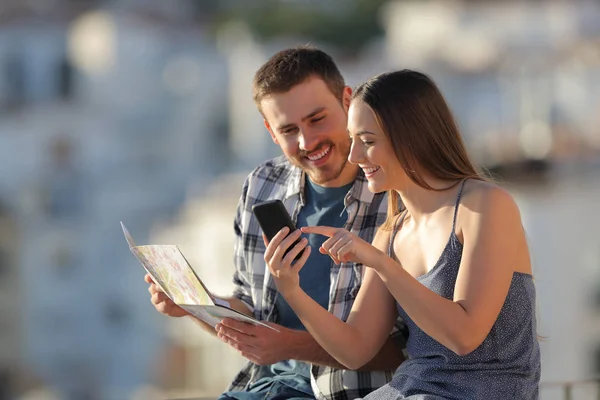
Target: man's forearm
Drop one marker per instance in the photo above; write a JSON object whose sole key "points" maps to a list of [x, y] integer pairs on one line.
{"points": [[387, 359], [304, 348], [205, 327]]}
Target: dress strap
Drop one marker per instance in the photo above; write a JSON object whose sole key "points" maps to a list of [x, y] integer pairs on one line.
{"points": [[462, 186]]}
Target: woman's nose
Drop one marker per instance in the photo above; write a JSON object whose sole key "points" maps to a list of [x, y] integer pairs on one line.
{"points": [[356, 154]]}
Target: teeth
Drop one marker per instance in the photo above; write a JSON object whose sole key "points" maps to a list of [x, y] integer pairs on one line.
{"points": [[371, 170], [320, 155]]}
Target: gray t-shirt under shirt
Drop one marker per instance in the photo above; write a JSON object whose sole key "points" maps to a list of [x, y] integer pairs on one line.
{"points": [[324, 207]]}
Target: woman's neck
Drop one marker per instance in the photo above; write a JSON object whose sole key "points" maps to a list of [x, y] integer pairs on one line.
{"points": [[420, 203]]}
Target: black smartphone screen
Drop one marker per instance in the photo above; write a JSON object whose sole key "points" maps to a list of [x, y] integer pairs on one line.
{"points": [[272, 217]]}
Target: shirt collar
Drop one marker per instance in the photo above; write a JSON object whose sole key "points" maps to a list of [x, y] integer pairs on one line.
{"points": [[359, 191]]}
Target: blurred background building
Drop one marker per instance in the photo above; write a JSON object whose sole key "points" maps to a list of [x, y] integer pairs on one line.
{"points": [[141, 111]]}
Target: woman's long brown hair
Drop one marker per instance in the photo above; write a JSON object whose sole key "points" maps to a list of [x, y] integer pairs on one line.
{"points": [[413, 114]]}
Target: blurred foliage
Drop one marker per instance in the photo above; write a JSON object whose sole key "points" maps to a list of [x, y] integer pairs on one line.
{"points": [[347, 25]]}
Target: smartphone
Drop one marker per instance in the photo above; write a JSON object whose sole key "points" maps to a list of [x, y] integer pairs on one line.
{"points": [[272, 217]]}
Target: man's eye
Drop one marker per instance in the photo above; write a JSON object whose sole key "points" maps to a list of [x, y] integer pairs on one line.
{"points": [[317, 119], [288, 131]]}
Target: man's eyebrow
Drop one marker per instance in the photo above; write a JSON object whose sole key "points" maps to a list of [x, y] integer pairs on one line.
{"points": [[309, 116], [312, 114]]}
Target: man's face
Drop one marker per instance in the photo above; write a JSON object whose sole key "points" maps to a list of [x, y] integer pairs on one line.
{"points": [[309, 124]]}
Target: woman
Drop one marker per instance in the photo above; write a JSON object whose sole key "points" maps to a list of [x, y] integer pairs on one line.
{"points": [[452, 258]]}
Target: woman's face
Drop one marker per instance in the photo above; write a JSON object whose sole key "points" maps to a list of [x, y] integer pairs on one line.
{"points": [[372, 150]]}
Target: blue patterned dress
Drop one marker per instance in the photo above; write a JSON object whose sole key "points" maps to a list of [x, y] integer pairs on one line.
{"points": [[505, 366]]}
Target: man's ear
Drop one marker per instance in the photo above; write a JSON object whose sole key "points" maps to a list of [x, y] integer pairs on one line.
{"points": [[346, 97], [270, 131]]}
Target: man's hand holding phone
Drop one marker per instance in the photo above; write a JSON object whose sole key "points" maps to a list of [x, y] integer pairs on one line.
{"points": [[286, 251], [282, 259]]}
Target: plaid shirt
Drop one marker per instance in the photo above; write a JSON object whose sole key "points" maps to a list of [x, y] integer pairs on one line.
{"points": [[279, 179]]}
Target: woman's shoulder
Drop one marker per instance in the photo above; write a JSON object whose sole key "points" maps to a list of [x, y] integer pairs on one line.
{"points": [[484, 199], [480, 196]]}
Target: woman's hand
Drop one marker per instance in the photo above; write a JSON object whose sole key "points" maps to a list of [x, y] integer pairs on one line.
{"points": [[283, 267], [345, 246]]}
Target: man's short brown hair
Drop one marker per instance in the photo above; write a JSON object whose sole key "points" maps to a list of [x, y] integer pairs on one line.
{"points": [[291, 67]]}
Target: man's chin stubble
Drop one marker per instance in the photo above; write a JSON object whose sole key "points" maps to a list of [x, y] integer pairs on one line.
{"points": [[321, 179]]}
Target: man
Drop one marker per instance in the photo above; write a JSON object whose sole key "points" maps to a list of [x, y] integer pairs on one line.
{"points": [[304, 102]]}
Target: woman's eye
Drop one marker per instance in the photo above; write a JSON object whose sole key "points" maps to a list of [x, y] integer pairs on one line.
{"points": [[368, 142]]}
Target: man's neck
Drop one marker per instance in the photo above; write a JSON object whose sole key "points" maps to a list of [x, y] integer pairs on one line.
{"points": [[348, 175]]}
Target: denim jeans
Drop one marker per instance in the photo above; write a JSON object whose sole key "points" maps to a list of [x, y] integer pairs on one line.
{"points": [[273, 390]]}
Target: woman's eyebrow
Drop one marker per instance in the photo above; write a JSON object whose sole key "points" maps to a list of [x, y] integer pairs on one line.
{"points": [[360, 133]]}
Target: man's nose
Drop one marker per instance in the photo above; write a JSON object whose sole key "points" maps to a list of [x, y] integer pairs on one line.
{"points": [[308, 141]]}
